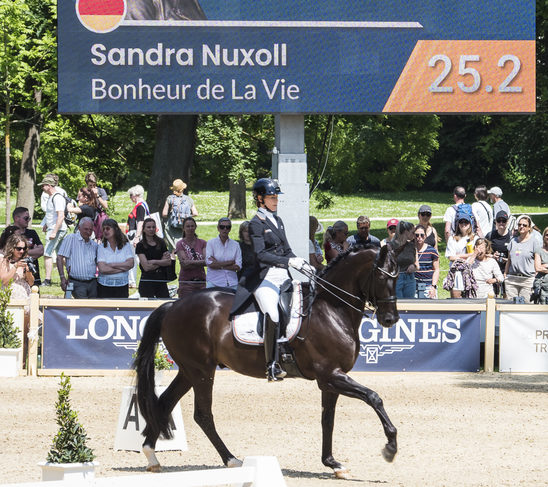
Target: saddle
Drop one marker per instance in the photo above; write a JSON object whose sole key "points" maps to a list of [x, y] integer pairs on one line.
{"points": [[247, 327]]}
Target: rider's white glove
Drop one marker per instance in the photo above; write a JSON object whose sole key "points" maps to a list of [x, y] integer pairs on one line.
{"points": [[297, 263]]}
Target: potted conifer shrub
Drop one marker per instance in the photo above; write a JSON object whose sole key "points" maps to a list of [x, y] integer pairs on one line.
{"points": [[69, 457], [10, 343]]}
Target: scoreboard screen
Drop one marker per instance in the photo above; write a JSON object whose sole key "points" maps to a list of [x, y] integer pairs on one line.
{"points": [[296, 57]]}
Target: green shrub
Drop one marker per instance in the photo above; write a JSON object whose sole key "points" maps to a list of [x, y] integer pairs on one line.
{"points": [[69, 444], [9, 334]]}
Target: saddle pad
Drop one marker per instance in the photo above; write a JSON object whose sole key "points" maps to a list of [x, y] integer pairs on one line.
{"points": [[244, 327]]}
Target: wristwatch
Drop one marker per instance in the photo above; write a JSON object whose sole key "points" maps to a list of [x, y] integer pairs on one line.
{"points": [[435, 286]]}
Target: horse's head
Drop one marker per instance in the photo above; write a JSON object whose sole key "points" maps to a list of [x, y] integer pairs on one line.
{"points": [[383, 294]]}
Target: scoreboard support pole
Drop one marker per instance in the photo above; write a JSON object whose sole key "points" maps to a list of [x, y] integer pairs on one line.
{"points": [[289, 167]]}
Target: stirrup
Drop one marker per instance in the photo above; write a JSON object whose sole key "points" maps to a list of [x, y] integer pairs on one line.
{"points": [[274, 372]]}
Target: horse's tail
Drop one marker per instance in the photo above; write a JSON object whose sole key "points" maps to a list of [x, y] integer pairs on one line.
{"points": [[157, 420]]}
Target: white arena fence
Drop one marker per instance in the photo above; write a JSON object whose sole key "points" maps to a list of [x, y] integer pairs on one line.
{"points": [[521, 330], [259, 471]]}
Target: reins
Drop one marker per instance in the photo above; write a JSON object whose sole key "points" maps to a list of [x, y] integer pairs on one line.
{"points": [[323, 283]]}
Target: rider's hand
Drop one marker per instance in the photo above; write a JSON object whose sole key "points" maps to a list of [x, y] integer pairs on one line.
{"points": [[297, 263]]}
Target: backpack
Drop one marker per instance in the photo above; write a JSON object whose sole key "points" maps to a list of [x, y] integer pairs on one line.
{"points": [[70, 218], [464, 209], [100, 217], [179, 211]]}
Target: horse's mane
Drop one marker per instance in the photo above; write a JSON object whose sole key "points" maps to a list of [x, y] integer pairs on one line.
{"points": [[343, 255]]}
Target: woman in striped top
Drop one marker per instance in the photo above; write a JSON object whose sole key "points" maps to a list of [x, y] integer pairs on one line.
{"points": [[426, 277]]}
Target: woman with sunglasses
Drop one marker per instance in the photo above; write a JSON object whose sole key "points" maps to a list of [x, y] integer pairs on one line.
{"points": [[114, 260], [334, 240], [14, 267], [519, 273], [459, 247], [541, 266], [273, 257], [191, 252], [425, 214], [428, 273]]}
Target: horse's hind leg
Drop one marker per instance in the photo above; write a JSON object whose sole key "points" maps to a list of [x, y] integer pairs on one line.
{"points": [[167, 401], [329, 402], [340, 383], [203, 389]]}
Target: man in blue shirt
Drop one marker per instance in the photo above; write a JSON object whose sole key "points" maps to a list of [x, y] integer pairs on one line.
{"points": [[363, 237]]}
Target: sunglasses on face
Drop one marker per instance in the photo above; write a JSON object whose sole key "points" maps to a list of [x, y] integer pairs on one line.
{"points": [[26, 218], [225, 227], [464, 222], [501, 220], [21, 249], [392, 228], [363, 228], [419, 235], [425, 213], [523, 225]]}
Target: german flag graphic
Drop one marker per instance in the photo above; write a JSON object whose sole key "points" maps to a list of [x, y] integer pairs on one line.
{"points": [[101, 15]]}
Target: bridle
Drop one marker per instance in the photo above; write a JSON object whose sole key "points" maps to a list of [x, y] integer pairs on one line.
{"points": [[323, 283]]}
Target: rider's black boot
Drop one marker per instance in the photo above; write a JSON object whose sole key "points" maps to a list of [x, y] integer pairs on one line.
{"points": [[271, 334]]}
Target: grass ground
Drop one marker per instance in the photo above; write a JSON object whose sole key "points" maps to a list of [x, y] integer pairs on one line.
{"points": [[212, 205]]}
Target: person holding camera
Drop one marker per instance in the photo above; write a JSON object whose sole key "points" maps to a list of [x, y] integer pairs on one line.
{"points": [[15, 267]]}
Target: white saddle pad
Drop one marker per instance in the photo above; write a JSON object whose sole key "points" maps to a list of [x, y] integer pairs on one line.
{"points": [[244, 327]]}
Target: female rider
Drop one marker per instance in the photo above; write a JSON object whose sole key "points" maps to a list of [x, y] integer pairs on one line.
{"points": [[273, 257]]}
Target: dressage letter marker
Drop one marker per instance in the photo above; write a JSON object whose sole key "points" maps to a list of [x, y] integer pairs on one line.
{"points": [[131, 423]]}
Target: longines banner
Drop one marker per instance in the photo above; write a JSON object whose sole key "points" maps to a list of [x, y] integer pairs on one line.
{"points": [[424, 341], [283, 56], [87, 338], [523, 342]]}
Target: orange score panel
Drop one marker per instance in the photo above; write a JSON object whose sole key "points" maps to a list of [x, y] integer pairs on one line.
{"points": [[467, 77], [101, 15]]}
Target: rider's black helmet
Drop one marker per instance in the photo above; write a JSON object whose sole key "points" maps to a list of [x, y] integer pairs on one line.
{"points": [[265, 186]]}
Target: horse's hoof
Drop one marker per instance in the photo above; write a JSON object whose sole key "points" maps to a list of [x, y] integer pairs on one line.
{"points": [[342, 473], [154, 468], [388, 454], [233, 463]]}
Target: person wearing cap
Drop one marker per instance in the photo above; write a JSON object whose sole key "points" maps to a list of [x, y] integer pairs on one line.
{"points": [[363, 224], [495, 194], [482, 212], [54, 226], [500, 239], [177, 207], [223, 257], [425, 214], [519, 272], [391, 226]]}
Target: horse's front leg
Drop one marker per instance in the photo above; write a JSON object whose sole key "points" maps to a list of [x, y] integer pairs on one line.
{"points": [[340, 383], [329, 402]]}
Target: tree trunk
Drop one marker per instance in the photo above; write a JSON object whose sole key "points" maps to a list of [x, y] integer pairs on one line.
{"points": [[236, 200], [173, 156]]}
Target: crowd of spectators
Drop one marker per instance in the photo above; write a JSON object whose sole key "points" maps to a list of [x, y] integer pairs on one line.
{"points": [[489, 250]]}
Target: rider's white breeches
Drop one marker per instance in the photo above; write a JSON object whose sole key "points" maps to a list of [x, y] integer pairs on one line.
{"points": [[268, 292]]}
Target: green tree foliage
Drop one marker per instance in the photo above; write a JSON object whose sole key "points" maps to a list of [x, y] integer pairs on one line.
{"points": [[69, 444], [232, 147], [380, 152], [9, 334]]}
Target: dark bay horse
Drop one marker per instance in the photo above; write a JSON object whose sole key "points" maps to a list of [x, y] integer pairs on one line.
{"points": [[198, 335]]}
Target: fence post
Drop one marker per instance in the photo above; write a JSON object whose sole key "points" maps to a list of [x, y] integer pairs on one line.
{"points": [[490, 315], [34, 323]]}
